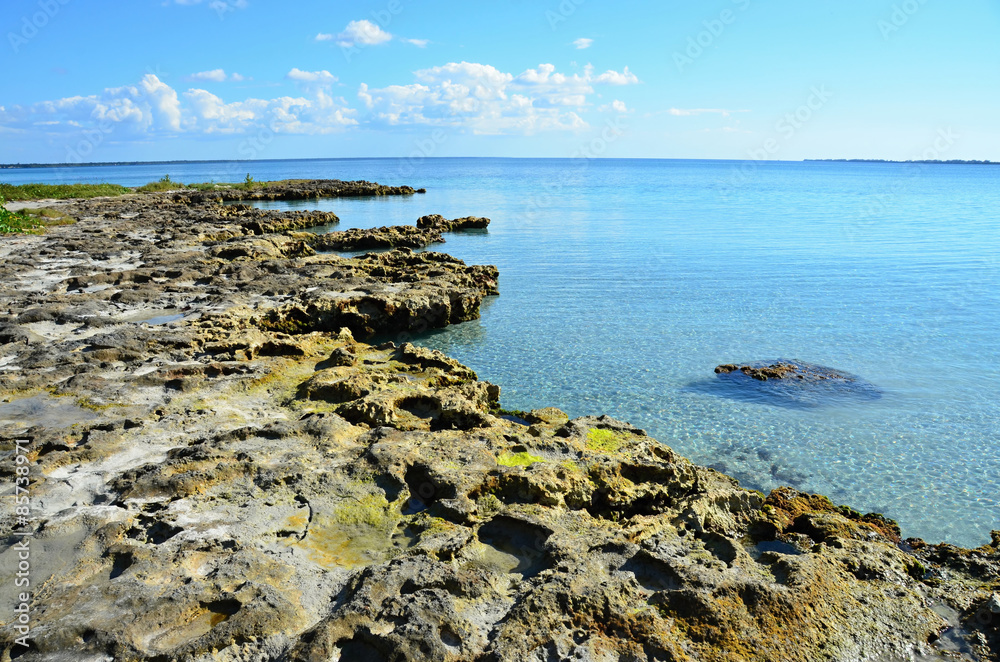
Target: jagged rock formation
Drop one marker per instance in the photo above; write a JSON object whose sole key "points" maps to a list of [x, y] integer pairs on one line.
{"points": [[384, 237], [440, 223], [224, 470]]}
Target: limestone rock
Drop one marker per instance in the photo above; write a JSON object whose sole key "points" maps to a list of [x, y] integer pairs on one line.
{"points": [[441, 224], [223, 470]]}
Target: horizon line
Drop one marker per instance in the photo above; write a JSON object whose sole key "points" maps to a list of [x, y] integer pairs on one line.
{"points": [[93, 164]]}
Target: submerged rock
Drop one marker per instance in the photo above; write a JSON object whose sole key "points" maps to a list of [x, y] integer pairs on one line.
{"points": [[791, 383]]}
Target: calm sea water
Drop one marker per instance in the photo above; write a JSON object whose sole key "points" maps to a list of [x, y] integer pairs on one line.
{"points": [[625, 282]]}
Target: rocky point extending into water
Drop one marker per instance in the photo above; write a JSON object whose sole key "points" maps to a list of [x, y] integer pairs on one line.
{"points": [[223, 469]]}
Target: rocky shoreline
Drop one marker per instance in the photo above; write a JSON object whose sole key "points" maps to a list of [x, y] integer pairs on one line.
{"points": [[223, 468]]}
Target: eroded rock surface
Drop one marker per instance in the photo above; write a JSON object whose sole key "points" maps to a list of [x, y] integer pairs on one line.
{"points": [[298, 189], [384, 237], [224, 470], [440, 223]]}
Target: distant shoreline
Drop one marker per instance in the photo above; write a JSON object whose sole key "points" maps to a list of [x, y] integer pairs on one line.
{"points": [[930, 161], [16, 166]]}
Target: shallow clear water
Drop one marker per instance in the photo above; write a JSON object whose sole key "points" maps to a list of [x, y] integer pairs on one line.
{"points": [[625, 282]]}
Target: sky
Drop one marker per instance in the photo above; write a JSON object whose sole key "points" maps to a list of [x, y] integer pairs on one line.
{"points": [[715, 79]]}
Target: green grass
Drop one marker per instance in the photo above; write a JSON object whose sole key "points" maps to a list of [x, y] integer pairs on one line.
{"points": [[524, 459], [60, 191], [165, 184]]}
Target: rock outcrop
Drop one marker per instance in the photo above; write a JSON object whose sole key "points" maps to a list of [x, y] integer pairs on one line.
{"points": [[223, 469], [402, 236], [793, 383], [297, 189], [440, 223]]}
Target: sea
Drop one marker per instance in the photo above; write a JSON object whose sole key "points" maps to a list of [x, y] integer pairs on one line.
{"points": [[625, 282]]}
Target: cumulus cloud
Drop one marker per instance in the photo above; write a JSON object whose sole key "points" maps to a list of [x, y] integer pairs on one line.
{"points": [[612, 77], [583, 43], [419, 43], [483, 99], [323, 36], [154, 108], [301, 115], [615, 106], [361, 33], [166, 107], [473, 97], [215, 75], [323, 77]]}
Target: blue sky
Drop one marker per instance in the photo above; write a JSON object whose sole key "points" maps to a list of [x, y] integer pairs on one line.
{"points": [[239, 79]]}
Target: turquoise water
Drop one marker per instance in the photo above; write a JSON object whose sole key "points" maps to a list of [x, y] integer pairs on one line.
{"points": [[625, 282]]}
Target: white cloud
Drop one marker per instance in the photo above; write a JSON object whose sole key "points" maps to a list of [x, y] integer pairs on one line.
{"points": [[215, 75], [583, 43], [483, 99], [473, 97], [612, 77], [153, 107], [550, 88], [165, 104], [419, 43], [323, 77], [363, 33], [323, 36], [615, 106]]}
